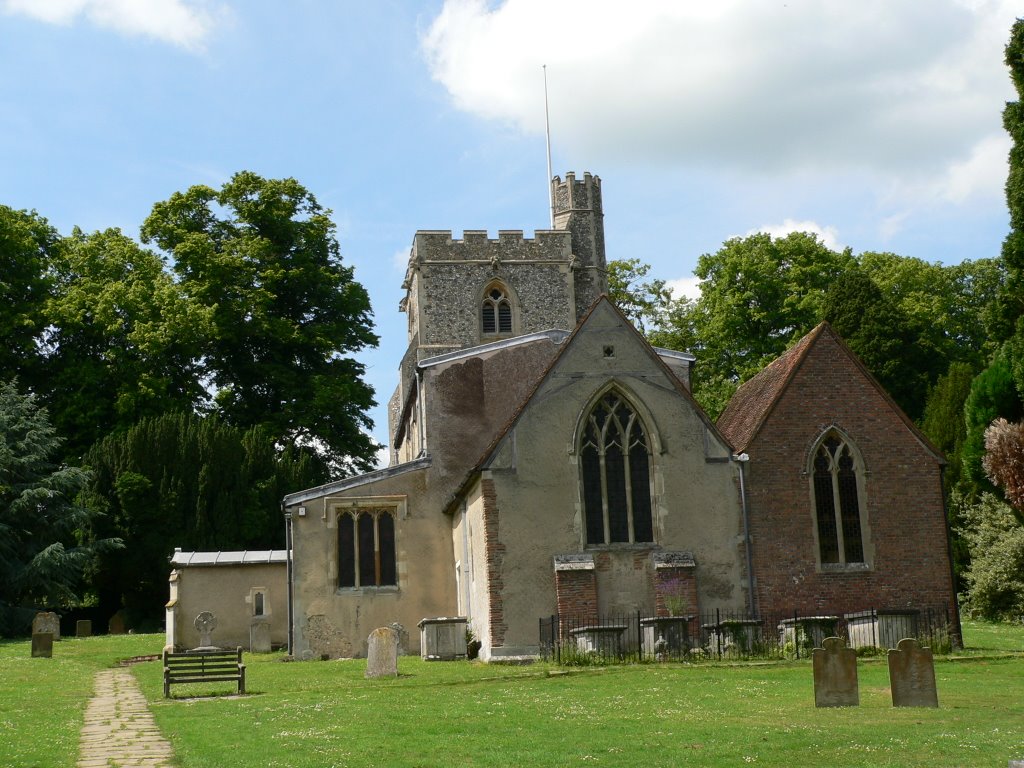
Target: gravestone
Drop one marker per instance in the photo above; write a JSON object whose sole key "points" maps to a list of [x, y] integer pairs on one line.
{"points": [[259, 637], [83, 628], [205, 623], [116, 625], [382, 654], [42, 645], [46, 621], [912, 675], [835, 674]]}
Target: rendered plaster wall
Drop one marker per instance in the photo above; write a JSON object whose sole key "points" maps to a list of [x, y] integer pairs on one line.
{"points": [[336, 620], [227, 592], [696, 503], [468, 532]]}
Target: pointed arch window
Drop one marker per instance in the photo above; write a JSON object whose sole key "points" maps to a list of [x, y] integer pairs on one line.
{"points": [[496, 311], [615, 459], [837, 487]]}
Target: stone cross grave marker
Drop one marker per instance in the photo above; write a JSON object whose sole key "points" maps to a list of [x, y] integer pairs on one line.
{"points": [[912, 675], [83, 628], [259, 636], [205, 623], [835, 674], [42, 645], [382, 655], [46, 621]]}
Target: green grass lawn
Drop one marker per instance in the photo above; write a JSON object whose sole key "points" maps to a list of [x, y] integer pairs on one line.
{"points": [[460, 713]]}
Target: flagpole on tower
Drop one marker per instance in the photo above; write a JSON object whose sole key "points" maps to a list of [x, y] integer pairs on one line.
{"points": [[547, 135]]}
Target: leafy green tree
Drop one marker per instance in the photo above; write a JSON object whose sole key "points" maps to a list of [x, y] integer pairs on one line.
{"points": [[287, 314], [758, 295], [882, 336], [181, 480], [995, 577], [645, 303], [45, 542], [27, 243], [123, 341]]}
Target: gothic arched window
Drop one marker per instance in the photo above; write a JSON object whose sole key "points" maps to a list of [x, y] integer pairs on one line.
{"points": [[616, 468], [496, 311], [837, 501]]}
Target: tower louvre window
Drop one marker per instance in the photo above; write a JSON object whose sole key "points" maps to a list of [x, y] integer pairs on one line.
{"points": [[615, 463], [496, 311]]}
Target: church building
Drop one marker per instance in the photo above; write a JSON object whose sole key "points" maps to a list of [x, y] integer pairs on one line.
{"points": [[545, 460]]}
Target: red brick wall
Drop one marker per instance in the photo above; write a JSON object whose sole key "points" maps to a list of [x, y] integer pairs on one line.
{"points": [[905, 511], [495, 552], [675, 581], [576, 591]]}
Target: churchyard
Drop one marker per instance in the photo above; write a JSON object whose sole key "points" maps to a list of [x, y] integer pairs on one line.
{"points": [[322, 713]]}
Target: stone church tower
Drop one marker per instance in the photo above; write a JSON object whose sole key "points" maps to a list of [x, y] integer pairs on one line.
{"points": [[479, 290]]}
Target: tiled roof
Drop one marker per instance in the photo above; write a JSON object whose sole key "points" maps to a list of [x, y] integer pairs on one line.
{"points": [[753, 401]]}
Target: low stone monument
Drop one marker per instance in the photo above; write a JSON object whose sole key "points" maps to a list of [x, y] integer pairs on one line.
{"points": [[382, 653], [116, 625], [42, 645], [835, 674], [83, 628], [259, 636], [205, 623], [912, 675], [46, 621]]}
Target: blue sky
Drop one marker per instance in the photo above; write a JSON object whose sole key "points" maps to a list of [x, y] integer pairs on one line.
{"points": [[876, 124]]}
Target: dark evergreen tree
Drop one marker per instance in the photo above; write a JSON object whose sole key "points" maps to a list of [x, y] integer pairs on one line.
{"points": [[46, 540], [180, 480]]}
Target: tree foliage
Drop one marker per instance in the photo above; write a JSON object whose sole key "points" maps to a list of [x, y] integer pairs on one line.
{"points": [[882, 336], [1004, 461], [995, 576], [123, 342], [45, 531], [287, 314], [645, 303], [1012, 298], [758, 295], [27, 243], [180, 480]]}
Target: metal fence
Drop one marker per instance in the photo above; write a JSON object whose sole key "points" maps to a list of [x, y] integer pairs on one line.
{"points": [[633, 637]]}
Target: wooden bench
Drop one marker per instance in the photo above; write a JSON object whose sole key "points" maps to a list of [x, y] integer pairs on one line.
{"points": [[203, 667]]}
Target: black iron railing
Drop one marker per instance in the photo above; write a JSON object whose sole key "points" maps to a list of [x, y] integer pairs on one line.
{"points": [[634, 636]]}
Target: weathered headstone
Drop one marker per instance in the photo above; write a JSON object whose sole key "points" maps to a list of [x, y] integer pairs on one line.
{"points": [[205, 623], [835, 674], [42, 645], [912, 675], [116, 625], [382, 654], [83, 628], [46, 621], [259, 636]]}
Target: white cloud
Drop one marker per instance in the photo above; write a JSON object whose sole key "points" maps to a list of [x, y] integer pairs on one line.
{"points": [[185, 23], [894, 89], [684, 287], [829, 236]]}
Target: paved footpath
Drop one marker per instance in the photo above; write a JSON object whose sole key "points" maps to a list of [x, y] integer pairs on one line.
{"points": [[119, 729]]}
